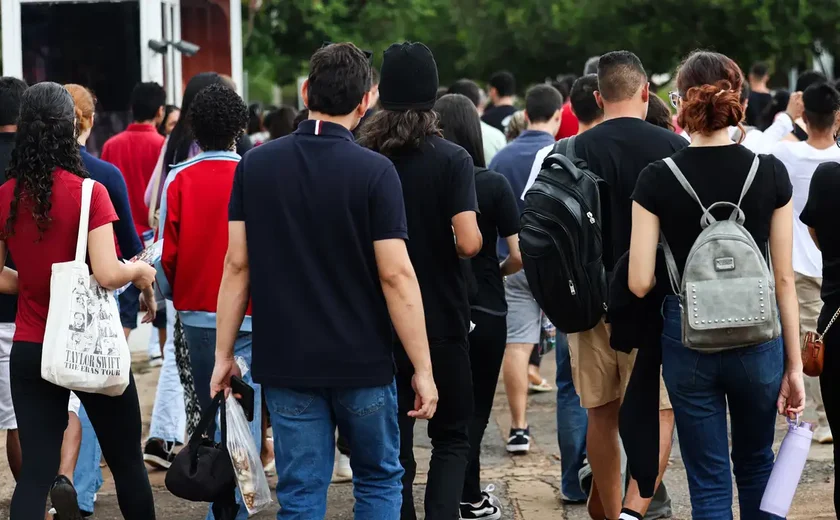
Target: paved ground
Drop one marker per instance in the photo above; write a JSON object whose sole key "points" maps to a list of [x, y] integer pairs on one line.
{"points": [[528, 485]]}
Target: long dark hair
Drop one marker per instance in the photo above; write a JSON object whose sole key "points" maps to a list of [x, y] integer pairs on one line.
{"points": [[461, 125], [181, 138], [45, 140], [389, 132]]}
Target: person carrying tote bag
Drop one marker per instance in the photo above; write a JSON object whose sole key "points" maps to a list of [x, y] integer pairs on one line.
{"points": [[84, 348], [40, 207]]}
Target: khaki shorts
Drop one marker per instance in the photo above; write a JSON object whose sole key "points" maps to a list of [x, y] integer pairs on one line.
{"points": [[601, 374]]}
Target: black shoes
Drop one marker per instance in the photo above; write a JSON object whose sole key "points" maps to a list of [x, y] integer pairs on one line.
{"points": [[63, 497], [159, 454], [484, 511], [519, 441]]}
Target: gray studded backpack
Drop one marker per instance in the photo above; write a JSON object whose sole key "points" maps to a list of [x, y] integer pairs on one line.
{"points": [[727, 293]]}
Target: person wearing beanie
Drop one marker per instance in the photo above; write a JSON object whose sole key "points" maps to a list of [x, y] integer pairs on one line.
{"points": [[342, 207], [438, 184]]}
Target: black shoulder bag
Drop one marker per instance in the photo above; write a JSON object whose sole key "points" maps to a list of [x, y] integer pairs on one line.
{"points": [[202, 471]]}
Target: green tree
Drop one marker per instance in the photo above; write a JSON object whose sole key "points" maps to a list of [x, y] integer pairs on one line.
{"points": [[536, 39]]}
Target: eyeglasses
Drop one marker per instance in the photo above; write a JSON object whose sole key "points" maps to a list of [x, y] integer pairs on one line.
{"points": [[674, 98]]}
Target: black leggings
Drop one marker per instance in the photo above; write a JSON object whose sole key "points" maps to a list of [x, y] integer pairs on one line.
{"points": [[41, 410], [830, 387], [487, 350]]}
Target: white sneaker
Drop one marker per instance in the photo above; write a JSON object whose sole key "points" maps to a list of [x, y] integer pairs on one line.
{"points": [[823, 435], [156, 361], [343, 472]]}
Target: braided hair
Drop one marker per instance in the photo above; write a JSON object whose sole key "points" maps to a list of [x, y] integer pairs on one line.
{"points": [[45, 140]]}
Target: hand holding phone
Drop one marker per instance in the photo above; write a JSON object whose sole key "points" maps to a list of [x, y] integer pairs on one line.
{"points": [[245, 394]]}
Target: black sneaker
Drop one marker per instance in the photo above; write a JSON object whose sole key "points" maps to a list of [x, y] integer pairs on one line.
{"points": [[519, 441], [483, 511], [158, 453], [63, 497]]}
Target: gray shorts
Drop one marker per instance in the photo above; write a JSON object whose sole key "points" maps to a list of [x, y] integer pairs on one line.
{"points": [[524, 317]]}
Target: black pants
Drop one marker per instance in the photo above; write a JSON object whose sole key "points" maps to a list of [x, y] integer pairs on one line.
{"points": [[487, 350], [830, 387], [447, 429], [343, 445], [41, 410], [535, 358]]}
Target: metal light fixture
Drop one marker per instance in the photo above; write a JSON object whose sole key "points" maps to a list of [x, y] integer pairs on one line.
{"points": [[186, 48]]}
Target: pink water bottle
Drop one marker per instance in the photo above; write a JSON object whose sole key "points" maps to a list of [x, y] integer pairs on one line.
{"points": [[778, 496]]}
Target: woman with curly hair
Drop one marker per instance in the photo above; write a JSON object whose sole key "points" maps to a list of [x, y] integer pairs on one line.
{"points": [[40, 206], [194, 228], [438, 184]]}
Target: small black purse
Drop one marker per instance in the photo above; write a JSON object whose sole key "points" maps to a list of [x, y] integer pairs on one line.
{"points": [[202, 471]]}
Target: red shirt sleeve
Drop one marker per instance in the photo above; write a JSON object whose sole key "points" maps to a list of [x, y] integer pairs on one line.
{"points": [[101, 208], [171, 228]]}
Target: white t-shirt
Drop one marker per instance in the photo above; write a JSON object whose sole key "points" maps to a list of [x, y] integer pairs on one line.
{"points": [[535, 168], [758, 141], [801, 160]]}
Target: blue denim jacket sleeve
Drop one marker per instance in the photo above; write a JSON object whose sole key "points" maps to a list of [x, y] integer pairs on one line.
{"points": [[162, 281]]}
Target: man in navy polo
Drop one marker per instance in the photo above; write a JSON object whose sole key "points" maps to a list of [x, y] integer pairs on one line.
{"points": [[317, 239]]}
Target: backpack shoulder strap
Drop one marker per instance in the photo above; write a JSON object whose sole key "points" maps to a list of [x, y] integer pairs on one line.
{"points": [[749, 181], [569, 152], [670, 263], [683, 181]]}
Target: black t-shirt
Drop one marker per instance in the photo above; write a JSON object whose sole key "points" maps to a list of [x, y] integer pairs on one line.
{"points": [[314, 202], [499, 116], [438, 182], [717, 173], [821, 213], [617, 150], [499, 217], [758, 101], [8, 303]]}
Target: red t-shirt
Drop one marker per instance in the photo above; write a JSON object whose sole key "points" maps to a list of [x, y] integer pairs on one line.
{"points": [[135, 152], [568, 123], [34, 257]]}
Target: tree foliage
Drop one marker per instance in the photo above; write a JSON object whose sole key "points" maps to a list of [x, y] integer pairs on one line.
{"points": [[540, 38]]}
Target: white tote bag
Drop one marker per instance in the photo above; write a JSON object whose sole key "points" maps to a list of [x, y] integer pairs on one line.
{"points": [[84, 346]]}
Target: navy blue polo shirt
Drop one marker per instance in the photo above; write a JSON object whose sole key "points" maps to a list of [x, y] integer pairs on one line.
{"points": [[314, 202]]}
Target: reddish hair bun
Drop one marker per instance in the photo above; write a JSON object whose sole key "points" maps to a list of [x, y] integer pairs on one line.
{"points": [[710, 85]]}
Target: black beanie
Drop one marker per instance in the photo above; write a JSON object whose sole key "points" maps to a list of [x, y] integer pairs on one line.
{"points": [[409, 78]]}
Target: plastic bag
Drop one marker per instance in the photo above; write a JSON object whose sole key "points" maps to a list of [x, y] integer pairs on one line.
{"points": [[250, 476]]}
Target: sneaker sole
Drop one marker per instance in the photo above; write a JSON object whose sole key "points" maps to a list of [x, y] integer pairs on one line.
{"points": [[65, 502], [522, 448], [495, 516], [155, 461]]}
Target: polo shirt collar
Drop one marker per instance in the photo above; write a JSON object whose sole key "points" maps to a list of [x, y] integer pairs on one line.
{"points": [[141, 127], [318, 127]]}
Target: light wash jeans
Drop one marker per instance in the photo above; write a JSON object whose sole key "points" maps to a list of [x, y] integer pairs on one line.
{"points": [[169, 417], [202, 345], [571, 424], [304, 423], [87, 478]]}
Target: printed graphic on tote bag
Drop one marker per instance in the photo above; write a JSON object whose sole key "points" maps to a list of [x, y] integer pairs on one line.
{"points": [[92, 349]]}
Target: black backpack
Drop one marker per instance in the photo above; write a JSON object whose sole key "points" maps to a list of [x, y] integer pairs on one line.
{"points": [[561, 241]]}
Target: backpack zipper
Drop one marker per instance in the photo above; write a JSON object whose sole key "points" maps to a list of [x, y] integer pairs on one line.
{"points": [[577, 195], [572, 288]]}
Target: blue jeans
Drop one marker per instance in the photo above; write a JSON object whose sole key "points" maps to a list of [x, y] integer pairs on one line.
{"points": [[700, 386], [201, 343], [169, 416], [304, 422], [571, 424], [87, 478]]}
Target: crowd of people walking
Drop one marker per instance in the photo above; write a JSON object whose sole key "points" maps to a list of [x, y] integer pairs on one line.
{"points": [[364, 258]]}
